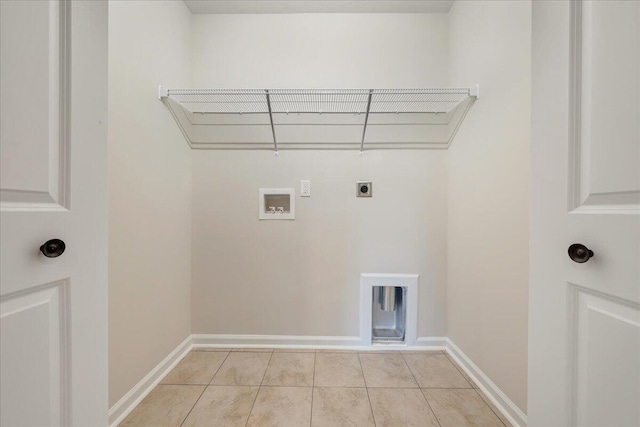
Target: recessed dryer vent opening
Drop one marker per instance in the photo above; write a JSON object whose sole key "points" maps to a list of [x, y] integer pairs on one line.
{"points": [[388, 309], [388, 315]]}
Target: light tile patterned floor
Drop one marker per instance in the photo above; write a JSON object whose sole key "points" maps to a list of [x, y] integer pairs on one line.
{"points": [[264, 387]]}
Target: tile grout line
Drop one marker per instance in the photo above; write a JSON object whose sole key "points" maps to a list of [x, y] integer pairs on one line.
{"points": [[350, 387], [421, 392], [362, 369], [464, 375], [214, 385], [366, 387], [446, 388], [217, 370], [430, 407], [320, 386], [410, 371], [259, 388], [477, 390], [494, 412], [313, 385], [204, 389]]}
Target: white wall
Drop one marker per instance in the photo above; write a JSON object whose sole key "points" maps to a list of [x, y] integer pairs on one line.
{"points": [[319, 50], [302, 277], [150, 190], [488, 191]]}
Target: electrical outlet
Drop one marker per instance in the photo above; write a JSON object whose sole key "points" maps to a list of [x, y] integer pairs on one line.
{"points": [[305, 188]]}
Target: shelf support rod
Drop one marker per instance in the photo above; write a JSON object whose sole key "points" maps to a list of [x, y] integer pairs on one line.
{"points": [[273, 129], [366, 119]]}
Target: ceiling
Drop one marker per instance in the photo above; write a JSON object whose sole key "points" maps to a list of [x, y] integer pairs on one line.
{"points": [[318, 6]]}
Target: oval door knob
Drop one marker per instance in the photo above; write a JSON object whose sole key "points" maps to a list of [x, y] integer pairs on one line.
{"points": [[580, 253], [53, 248]]}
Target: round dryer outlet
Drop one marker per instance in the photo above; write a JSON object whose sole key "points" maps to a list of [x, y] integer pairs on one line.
{"points": [[364, 189]]}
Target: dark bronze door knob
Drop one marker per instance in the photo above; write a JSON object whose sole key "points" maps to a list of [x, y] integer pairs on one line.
{"points": [[580, 253], [53, 248]]}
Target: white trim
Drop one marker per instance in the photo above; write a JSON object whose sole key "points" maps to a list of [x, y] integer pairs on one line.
{"points": [[308, 342], [409, 281], [274, 341], [505, 405], [431, 343], [129, 401]]}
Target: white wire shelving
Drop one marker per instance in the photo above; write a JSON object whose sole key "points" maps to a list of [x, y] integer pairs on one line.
{"points": [[319, 118]]}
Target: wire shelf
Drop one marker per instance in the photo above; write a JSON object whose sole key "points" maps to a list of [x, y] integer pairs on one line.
{"points": [[300, 101], [417, 100], [388, 112], [352, 101], [220, 101]]}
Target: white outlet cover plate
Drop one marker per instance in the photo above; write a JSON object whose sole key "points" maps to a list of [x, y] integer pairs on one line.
{"points": [[305, 188]]}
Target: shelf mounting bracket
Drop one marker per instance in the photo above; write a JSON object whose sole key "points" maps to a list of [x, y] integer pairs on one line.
{"points": [[474, 91], [163, 92]]}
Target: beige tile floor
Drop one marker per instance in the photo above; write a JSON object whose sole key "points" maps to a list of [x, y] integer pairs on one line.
{"points": [[264, 387]]}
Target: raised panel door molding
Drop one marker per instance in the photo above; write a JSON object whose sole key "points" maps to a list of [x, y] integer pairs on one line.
{"points": [[35, 367], [599, 359], [604, 158], [34, 82]]}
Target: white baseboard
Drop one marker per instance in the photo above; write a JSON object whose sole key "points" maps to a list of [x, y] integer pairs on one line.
{"points": [[430, 343], [129, 401], [308, 342], [497, 397], [273, 341]]}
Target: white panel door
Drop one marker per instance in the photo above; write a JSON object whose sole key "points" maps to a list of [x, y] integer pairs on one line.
{"points": [[53, 310], [584, 334]]}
